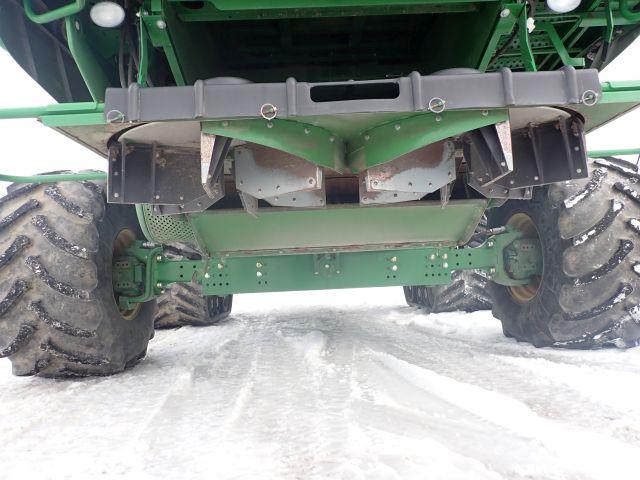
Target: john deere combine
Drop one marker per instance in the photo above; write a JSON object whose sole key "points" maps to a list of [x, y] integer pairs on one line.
{"points": [[317, 144]]}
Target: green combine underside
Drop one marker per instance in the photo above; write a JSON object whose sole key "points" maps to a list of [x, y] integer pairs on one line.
{"points": [[179, 42], [366, 72]]}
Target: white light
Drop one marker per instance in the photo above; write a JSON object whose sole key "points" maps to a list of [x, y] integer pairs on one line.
{"points": [[562, 6], [107, 14]]}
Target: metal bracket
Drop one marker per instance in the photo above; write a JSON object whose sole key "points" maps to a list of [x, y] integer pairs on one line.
{"points": [[213, 151], [544, 153], [278, 177], [410, 176], [327, 264], [168, 178]]}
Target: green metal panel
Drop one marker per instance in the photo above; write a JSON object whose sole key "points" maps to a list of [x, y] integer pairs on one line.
{"points": [[388, 141], [234, 232], [307, 141], [86, 58]]}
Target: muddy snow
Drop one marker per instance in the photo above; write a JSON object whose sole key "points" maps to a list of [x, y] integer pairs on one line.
{"points": [[347, 384]]}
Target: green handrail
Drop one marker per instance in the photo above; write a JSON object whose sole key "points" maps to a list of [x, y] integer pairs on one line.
{"points": [[613, 152], [53, 178], [71, 9], [625, 11]]}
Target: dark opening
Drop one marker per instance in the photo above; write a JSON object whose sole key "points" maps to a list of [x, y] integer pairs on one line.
{"points": [[196, 5], [356, 91]]}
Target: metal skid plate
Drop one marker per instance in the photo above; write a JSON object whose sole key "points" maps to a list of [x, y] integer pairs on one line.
{"points": [[410, 176], [278, 177]]}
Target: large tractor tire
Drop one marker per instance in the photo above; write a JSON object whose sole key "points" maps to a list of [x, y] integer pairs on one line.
{"points": [[588, 295], [467, 291], [58, 313], [184, 304]]}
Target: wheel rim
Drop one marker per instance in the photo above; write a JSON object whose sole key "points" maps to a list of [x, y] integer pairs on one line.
{"points": [[123, 240], [525, 293]]}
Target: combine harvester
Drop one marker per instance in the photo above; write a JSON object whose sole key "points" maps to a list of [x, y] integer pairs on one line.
{"points": [[262, 146]]}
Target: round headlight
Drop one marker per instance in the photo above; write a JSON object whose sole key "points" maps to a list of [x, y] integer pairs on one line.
{"points": [[562, 6], [107, 14]]}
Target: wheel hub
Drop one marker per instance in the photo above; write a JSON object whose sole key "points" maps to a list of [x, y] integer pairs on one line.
{"points": [[525, 293]]}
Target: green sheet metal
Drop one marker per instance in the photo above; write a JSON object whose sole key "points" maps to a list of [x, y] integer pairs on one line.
{"points": [[307, 141], [347, 227]]}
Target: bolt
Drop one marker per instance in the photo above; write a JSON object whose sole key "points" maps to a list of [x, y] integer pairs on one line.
{"points": [[225, 123], [116, 195], [161, 24], [206, 275], [220, 266], [576, 148], [115, 174], [332, 139], [490, 243], [77, 25], [258, 265], [268, 111], [316, 273], [503, 164], [438, 118], [505, 13], [394, 268], [485, 113], [181, 197], [393, 259], [258, 274], [578, 170], [307, 131], [536, 178], [159, 258], [159, 285], [338, 272], [445, 256], [511, 182], [445, 265], [432, 256], [492, 270], [589, 97], [397, 126], [367, 137], [157, 197], [327, 266]]}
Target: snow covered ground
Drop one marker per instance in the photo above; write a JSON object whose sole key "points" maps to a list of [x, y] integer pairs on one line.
{"points": [[346, 384]]}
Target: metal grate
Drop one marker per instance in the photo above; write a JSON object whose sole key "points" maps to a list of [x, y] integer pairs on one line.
{"points": [[166, 228]]}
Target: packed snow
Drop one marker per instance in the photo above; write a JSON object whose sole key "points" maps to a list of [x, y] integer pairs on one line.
{"points": [[346, 384]]}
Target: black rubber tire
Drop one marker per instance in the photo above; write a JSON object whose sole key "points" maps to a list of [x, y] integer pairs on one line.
{"points": [[58, 314], [590, 287], [467, 291], [184, 304]]}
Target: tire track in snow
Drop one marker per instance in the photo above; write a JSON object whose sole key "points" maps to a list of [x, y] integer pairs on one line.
{"points": [[576, 446]]}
